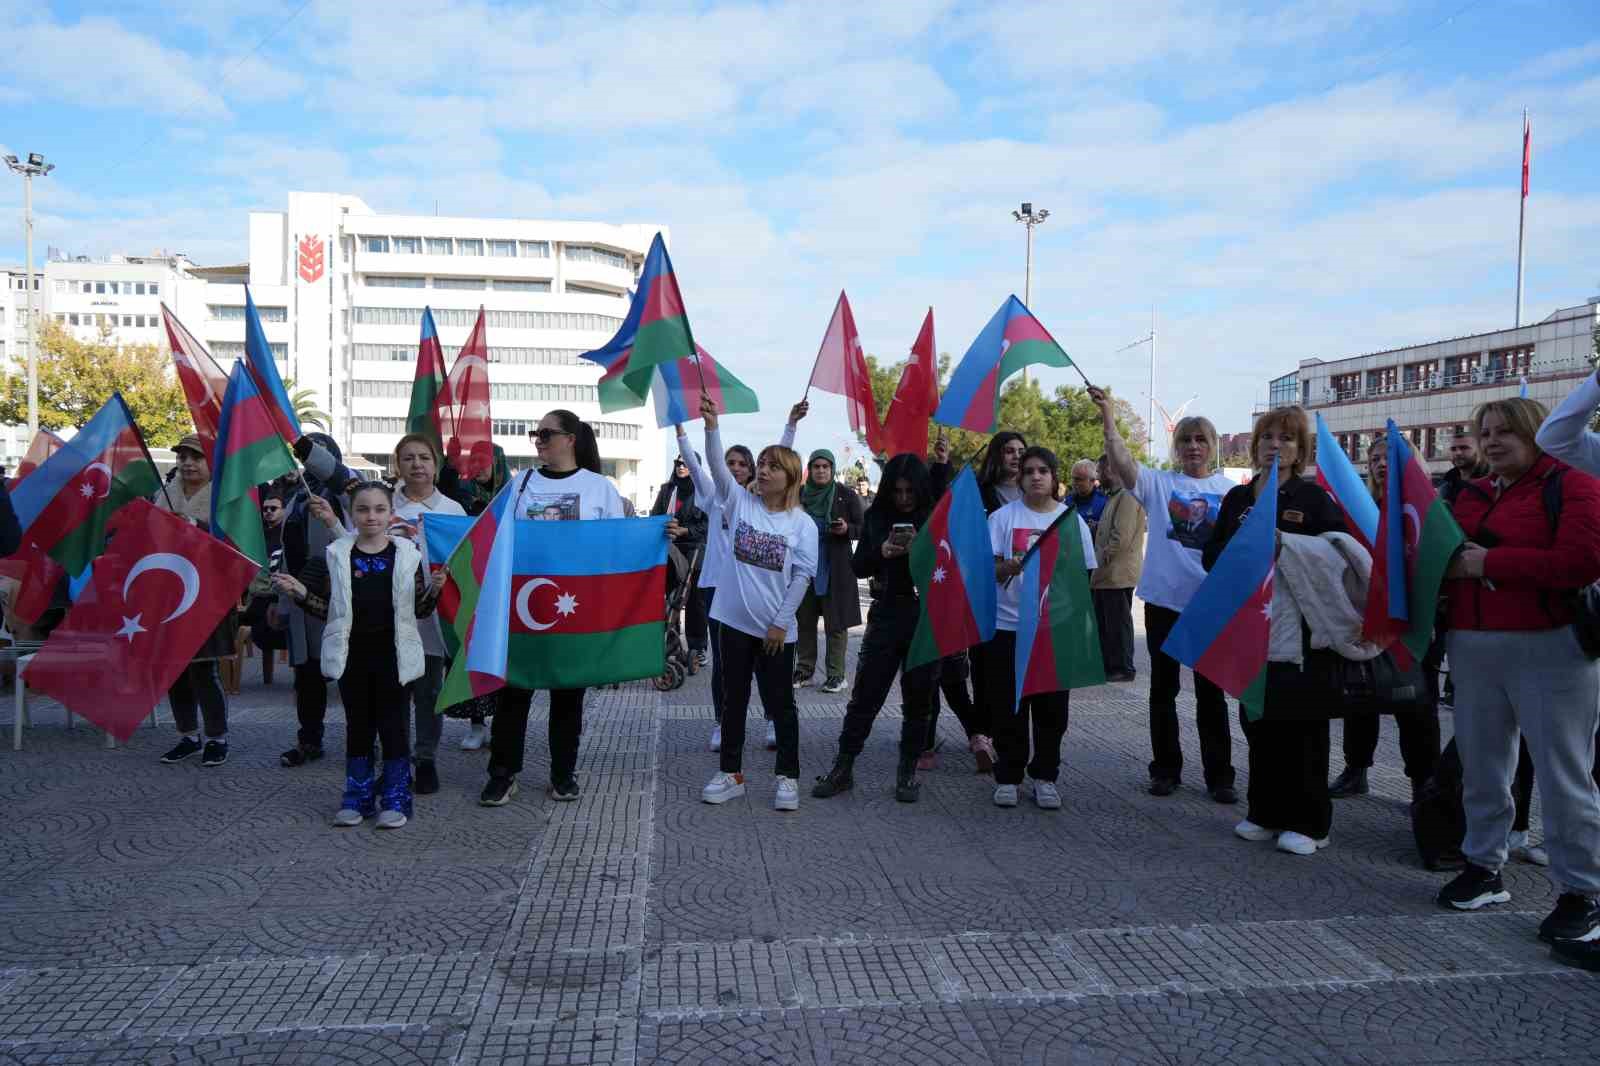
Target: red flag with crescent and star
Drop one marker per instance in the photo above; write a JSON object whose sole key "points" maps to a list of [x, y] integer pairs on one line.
{"points": [[157, 593]]}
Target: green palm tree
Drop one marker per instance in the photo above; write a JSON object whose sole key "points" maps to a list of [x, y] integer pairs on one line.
{"points": [[304, 402]]}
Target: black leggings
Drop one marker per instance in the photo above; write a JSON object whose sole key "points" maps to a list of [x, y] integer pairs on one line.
{"points": [[375, 704], [744, 659], [508, 734]]}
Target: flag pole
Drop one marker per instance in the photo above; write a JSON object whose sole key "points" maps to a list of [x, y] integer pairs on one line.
{"points": [[1522, 208], [138, 435]]}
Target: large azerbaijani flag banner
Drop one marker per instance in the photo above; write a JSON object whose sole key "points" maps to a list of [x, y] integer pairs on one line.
{"points": [[1012, 340], [1058, 642], [952, 565], [549, 605], [1224, 632], [1417, 536]]}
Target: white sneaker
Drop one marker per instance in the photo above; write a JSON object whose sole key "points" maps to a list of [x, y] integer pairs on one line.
{"points": [[787, 795], [772, 736], [390, 820], [1248, 830], [1300, 844], [1523, 851], [716, 738], [1046, 796], [722, 788], [1005, 795], [476, 735]]}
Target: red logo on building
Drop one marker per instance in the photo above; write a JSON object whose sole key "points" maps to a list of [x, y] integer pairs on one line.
{"points": [[311, 259]]}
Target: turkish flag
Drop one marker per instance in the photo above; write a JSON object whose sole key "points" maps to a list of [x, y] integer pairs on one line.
{"points": [[905, 427], [841, 368], [36, 575], [158, 592]]}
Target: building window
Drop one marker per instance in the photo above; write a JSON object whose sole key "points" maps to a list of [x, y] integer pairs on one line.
{"points": [[1463, 369], [61, 286], [459, 316], [73, 318], [503, 249], [1345, 386], [235, 313], [235, 350], [1383, 381], [472, 284], [509, 285], [384, 281], [378, 425], [592, 290], [88, 287], [100, 288], [1421, 376], [407, 245], [535, 249], [584, 253], [469, 246], [374, 244], [155, 289], [441, 246]]}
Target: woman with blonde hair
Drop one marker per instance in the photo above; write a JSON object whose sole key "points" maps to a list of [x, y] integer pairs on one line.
{"points": [[773, 557], [1183, 506], [1533, 540]]}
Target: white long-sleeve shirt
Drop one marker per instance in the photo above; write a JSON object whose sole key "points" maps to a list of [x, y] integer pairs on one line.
{"points": [[1566, 434], [772, 556], [718, 537]]}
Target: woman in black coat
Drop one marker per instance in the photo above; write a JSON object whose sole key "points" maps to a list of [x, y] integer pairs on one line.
{"points": [[833, 596]]}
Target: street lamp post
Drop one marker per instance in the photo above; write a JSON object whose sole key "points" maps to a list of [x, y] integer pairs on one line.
{"points": [[35, 166], [1029, 218]]}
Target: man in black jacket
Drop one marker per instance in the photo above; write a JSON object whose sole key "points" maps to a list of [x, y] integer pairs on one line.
{"points": [[1465, 465]]}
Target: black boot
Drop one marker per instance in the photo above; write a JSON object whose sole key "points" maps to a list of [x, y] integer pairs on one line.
{"points": [[836, 780], [906, 786], [1353, 782]]}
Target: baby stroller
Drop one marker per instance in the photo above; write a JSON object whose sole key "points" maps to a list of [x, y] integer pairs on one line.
{"points": [[680, 570]]}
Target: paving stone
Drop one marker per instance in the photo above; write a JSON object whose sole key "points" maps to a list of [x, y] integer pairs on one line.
{"points": [[914, 1036], [1012, 967], [606, 1042], [743, 975], [564, 987], [237, 997], [70, 1004], [436, 990], [728, 1040], [832, 975]]}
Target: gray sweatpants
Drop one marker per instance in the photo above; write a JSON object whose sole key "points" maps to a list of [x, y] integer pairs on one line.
{"points": [[1542, 684], [424, 692]]}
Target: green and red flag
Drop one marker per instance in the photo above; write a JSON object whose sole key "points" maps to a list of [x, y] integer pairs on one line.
{"points": [[430, 412], [1012, 340], [952, 565], [249, 452], [1417, 536], [63, 505], [1058, 643], [656, 328], [549, 605]]}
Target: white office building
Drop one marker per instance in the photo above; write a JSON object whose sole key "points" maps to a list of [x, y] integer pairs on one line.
{"points": [[341, 288]]}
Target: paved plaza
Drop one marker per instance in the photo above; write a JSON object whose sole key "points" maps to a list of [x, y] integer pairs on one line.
{"points": [[155, 914]]}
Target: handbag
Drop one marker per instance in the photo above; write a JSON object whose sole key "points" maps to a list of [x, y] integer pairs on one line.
{"points": [[1327, 685]]}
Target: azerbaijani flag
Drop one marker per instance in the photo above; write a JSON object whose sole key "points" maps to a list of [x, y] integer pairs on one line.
{"points": [[64, 505], [249, 452], [1223, 633], [1417, 535], [656, 328], [1338, 475], [1012, 340], [550, 605], [1058, 642], [430, 389], [952, 565], [677, 387], [258, 356]]}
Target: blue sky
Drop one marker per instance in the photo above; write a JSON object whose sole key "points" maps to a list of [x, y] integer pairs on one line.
{"points": [[1283, 180]]}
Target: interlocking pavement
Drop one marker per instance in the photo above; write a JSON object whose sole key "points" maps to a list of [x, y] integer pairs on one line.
{"points": [[156, 914]]}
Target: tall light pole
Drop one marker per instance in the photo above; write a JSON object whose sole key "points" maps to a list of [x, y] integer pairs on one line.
{"points": [[1029, 218], [34, 167]]}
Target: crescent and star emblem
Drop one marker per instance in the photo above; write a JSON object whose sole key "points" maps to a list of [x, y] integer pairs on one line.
{"points": [[87, 488], [176, 564], [938, 571], [566, 604]]}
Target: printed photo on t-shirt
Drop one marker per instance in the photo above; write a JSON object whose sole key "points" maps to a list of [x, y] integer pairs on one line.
{"points": [[769, 551], [554, 507], [1194, 516], [1022, 540]]}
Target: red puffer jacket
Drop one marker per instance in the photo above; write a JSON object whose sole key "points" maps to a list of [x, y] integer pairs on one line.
{"points": [[1530, 569]]}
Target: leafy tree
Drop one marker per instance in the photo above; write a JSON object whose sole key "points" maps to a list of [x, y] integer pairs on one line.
{"points": [[304, 402], [1067, 421], [77, 377]]}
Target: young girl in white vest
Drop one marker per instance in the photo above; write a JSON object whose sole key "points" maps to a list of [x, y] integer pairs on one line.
{"points": [[371, 588]]}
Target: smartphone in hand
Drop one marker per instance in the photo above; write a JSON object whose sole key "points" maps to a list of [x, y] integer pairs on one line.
{"points": [[901, 533]]}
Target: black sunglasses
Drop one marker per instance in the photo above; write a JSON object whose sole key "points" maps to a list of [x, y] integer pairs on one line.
{"points": [[543, 435]]}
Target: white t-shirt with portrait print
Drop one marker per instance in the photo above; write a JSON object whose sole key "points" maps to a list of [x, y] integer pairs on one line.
{"points": [[767, 551], [1183, 512], [577, 495], [1012, 531]]}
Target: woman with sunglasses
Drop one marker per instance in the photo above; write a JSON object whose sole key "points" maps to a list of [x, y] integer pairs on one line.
{"points": [[567, 486]]}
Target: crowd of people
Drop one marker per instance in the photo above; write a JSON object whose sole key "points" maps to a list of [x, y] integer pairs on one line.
{"points": [[774, 545]]}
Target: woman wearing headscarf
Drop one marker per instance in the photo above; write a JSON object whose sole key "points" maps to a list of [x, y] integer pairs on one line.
{"points": [[833, 595]]}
